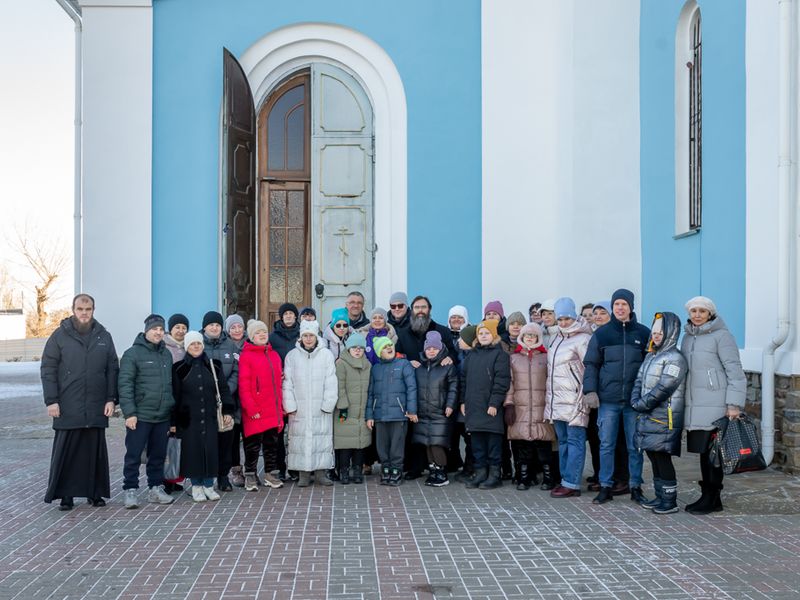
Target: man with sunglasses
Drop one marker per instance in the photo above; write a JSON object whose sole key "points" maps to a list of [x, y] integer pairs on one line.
{"points": [[399, 313]]}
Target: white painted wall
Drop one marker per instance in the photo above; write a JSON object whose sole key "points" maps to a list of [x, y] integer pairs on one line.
{"points": [[560, 138], [762, 40], [12, 326], [117, 158]]}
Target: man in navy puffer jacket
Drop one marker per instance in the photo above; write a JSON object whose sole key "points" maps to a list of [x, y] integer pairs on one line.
{"points": [[612, 361]]}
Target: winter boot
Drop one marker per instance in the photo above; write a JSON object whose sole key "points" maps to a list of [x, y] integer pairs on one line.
{"points": [[344, 475], [395, 476], [658, 486], [481, 473], [385, 475], [224, 484], [357, 474], [464, 475], [441, 477], [250, 482], [431, 480], [604, 496], [669, 499], [709, 502], [524, 482], [548, 483], [237, 477], [517, 472], [637, 495], [702, 500], [322, 477], [493, 480], [303, 478]]}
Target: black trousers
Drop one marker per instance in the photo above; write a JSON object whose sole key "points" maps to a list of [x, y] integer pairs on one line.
{"points": [[487, 449], [264, 443], [414, 453], [662, 465], [437, 455], [390, 439], [152, 436], [593, 437], [281, 447], [225, 452], [236, 453], [370, 453], [621, 472], [454, 460], [349, 457], [537, 452]]}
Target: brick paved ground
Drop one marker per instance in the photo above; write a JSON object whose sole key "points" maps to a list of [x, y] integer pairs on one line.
{"points": [[375, 542]]}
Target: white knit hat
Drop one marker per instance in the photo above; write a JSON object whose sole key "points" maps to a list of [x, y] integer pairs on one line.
{"points": [[253, 326], [549, 304], [702, 302], [191, 337], [309, 327], [460, 311]]}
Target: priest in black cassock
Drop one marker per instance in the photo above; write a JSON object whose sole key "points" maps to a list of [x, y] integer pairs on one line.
{"points": [[79, 378]]}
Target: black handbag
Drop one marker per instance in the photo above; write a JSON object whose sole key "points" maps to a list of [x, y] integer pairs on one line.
{"points": [[737, 447]]}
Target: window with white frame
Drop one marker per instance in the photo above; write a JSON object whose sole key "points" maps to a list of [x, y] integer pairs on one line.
{"points": [[688, 121]]}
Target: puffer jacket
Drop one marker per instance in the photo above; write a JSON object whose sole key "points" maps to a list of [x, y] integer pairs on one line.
{"points": [[283, 339], [565, 375], [310, 392], [716, 379], [79, 373], [145, 381], [333, 342], [226, 351], [437, 390], [485, 379], [176, 349], [549, 335], [352, 375], [526, 396], [612, 361], [392, 391], [658, 393], [260, 391], [371, 334]]}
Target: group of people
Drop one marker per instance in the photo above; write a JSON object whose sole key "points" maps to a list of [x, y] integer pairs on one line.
{"points": [[523, 394]]}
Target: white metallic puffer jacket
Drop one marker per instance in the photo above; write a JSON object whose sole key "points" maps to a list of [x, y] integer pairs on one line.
{"points": [[565, 375]]}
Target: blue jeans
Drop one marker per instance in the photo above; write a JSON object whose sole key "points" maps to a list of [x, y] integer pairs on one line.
{"points": [[203, 481], [571, 453], [608, 417], [152, 436]]}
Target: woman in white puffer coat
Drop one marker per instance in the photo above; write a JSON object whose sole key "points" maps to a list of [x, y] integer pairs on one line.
{"points": [[310, 392], [565, 407]]}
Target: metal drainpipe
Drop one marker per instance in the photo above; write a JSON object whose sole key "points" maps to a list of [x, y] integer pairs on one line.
{"points": [[75, 15], [786, 94]]}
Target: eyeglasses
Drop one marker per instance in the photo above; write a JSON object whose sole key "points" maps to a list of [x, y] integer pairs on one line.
{"points": [[396, 306], [341, 325]]}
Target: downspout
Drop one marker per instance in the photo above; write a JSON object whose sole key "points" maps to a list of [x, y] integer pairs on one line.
{"points": [[75, 15], [785, 174]]}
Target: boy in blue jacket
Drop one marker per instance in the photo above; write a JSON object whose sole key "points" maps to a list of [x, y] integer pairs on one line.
{"points": [[391, 403]]}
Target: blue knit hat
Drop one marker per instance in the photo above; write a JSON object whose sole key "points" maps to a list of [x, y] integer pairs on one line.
{"points": [[604, 304], [356, 340], [565, 307], [339, 314]]}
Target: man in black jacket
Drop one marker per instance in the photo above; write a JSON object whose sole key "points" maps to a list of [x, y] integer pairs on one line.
{"points": [[612, 361], [399, 312], [79, 380], [355, 310]]}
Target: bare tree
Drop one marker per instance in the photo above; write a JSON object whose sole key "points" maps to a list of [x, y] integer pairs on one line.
{"points": [[47, 258], [10, 298]]}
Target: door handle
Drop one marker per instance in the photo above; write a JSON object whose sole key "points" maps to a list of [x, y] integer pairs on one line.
{"points": [[319, 290]]}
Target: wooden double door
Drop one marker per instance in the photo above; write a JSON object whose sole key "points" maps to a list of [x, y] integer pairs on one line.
{"points": [[301, 229]]}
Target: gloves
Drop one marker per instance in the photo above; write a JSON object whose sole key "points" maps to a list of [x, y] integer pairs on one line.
{"points": [[591, 400], [510, 416], [342, 415]]}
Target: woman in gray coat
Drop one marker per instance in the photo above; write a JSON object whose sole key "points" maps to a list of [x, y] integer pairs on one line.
{"points": [[715, 387]]}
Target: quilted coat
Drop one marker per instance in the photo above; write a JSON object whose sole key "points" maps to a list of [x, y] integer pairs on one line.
{"points": [[526, 395], [716, 379], [565, 375], [437, 390], [485, 379], [352, 375], [392, 391], [310, 392], [260, 390], [658, 393], [145, 381]]}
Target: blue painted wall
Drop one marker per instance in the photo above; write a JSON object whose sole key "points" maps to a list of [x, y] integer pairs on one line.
{"points": [[711, 263], [435, 45]]}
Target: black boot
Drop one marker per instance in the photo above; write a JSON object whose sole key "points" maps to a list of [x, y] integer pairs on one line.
{"points": [[524, 477], [494, 479], [67, 503], [658, 486], [224, 484], [548, 482], [604, 496], [356, 474], [480, 475], [701, 500], [517, 472], [431, 480], [709, 502], [464, 475], [395, 476], [637, 495], [344, 475], [385, 475], [669, 499]]}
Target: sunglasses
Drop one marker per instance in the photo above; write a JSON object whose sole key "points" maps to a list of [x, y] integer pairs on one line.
{"points": [[341, 325], [396, 306]]}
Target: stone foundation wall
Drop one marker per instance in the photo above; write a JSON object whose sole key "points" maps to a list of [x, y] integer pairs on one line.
{"points": [[787, 417]]}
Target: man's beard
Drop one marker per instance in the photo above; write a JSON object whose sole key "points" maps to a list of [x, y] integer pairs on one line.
{"points": [[420, 323], [81, 327]]}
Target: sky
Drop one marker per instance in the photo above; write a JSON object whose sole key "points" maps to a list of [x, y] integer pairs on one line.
{"points": [[37, 87]]}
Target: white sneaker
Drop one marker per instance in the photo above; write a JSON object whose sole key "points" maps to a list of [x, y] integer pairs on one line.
{"points": [[197, 494], [131, 498], [272, 481], [187, 488], [157, 495], [210, 493]]}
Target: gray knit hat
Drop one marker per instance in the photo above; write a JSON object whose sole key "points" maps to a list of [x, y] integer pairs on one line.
{"points": [[231, 321], [398, 298]]}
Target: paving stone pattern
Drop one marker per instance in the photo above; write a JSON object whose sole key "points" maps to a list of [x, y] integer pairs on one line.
{"points": [[370, 541]]}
